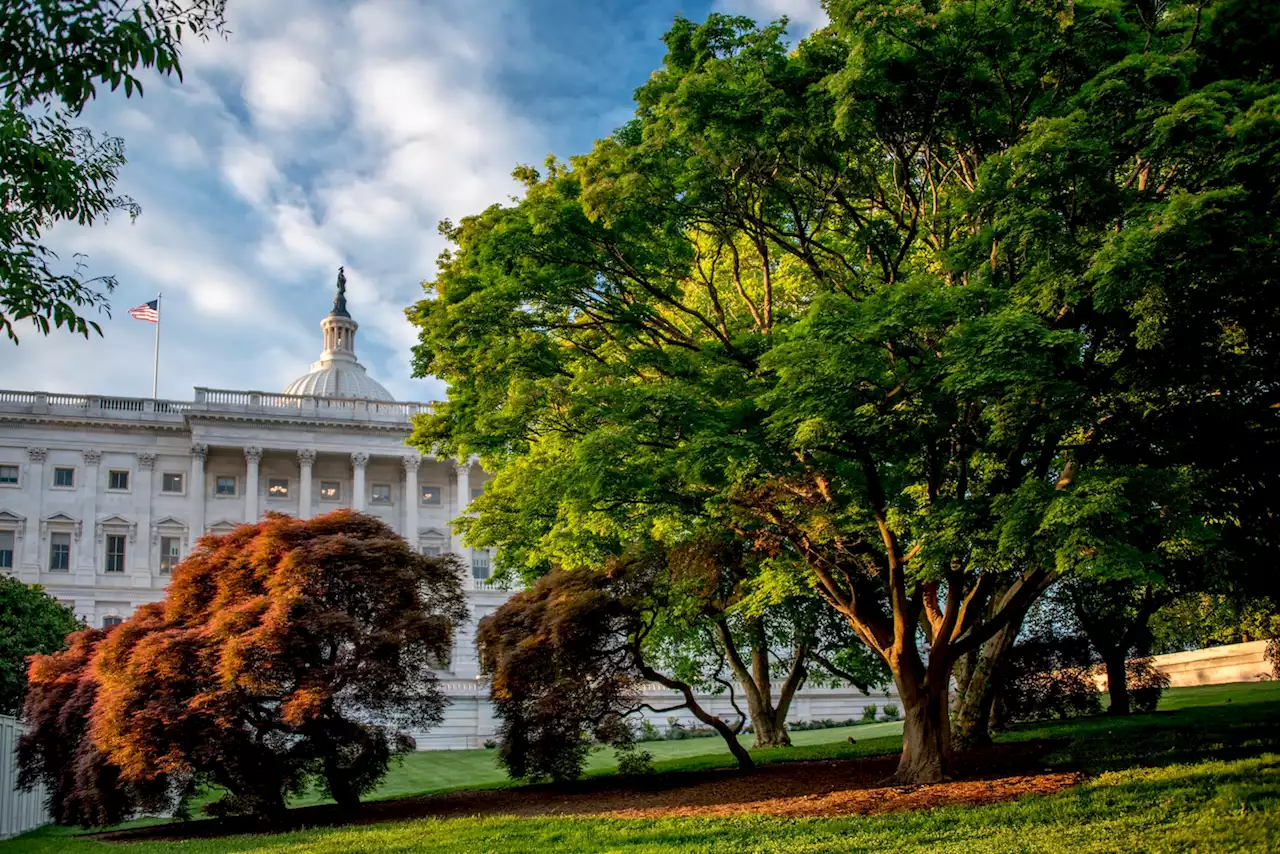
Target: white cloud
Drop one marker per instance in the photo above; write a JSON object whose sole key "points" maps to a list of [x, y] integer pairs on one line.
{"points": [[284, 90], [250, 170], [803, 16]]}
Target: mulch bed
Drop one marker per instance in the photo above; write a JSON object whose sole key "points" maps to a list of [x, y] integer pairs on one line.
{"points": [[827, 789]]}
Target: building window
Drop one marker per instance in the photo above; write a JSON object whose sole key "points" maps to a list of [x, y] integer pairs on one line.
{"points": [[115, 553], [432, 551], [476, 492], [118, 479], [381, 493], [170, 554], [9, 475], [59, 551], [330, 490], [278, 487], [6, 549], [480, 566], [111, 622], [171, 482], [431, 496], [64, 478], [224, 485]]}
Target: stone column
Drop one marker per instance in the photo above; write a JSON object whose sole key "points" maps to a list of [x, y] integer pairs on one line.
{"points": [[463, 498], [195, 489], [411, 500], [358, 461], [252, 456], [86, 556], [140, 560], [27, 561], [306, 459]]}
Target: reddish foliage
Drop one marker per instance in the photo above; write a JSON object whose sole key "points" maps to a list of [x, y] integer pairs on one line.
{"points": [[285, 652], [83, 787], [568, 659]]}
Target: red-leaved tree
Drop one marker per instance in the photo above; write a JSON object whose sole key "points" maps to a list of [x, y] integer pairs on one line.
{"points": [[82, 786], [286, 653]]}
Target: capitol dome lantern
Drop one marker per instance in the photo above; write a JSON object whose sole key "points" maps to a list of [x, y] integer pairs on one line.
{"points": [[338, 373]]}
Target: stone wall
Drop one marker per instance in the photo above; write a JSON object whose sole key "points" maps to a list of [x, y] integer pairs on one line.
{"points": [[1217, 665], [469, 720]]}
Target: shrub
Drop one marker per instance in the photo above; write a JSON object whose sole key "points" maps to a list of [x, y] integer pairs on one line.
{"points": [[890, 711], [1146, 684], [1049, 676], [490, 744], [648, 732], [869, 713], [825, 723], [632, 761]]}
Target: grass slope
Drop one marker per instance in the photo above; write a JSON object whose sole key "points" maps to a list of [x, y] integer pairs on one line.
{"points": [[1203, 774]]}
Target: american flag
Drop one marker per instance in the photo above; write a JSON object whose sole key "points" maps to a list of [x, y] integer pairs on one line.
{"points": [[148, 311]]}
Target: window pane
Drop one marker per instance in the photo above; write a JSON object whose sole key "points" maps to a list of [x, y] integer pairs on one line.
{"points": [[64, 477], [278, 487], [59, 551], [476, 492], [171, 482], [431, 551], [118, 480], [115, 553], [480, 566], [431, 495], [6, 549], [225, 486], [382, 493], [110, 622], [8, 474], [330, 489], [170, 548]]}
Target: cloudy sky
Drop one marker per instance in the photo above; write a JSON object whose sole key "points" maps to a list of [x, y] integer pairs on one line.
{"points": [[328, 132]]}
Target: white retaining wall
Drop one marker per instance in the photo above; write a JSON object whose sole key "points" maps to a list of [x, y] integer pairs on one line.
{"points": [[1216, 665], [19, 811], [469, 721]]}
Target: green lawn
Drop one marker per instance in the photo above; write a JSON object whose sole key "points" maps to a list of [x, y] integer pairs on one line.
{"points": [[1203, 774]]}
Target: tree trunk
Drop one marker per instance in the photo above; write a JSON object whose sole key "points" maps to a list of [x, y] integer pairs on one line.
{"points": [[926, 734], [975, 703], [1117, 686], [770, 731], [686, 690]]}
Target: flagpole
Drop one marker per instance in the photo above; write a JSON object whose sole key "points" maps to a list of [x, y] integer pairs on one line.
{"points": [[155, 365]]}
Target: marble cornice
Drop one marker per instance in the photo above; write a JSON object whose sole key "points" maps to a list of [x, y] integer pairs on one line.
{"points": [[336, 425]]}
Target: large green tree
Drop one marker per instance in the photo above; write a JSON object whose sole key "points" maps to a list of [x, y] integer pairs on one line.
{"points": [[915, 307], [55, 55]]}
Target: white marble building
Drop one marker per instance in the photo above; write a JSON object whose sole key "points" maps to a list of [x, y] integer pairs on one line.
{"points": [[100, 497]]}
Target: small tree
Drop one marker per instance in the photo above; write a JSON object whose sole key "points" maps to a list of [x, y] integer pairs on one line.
{"points": [[569, 658], [286, 652], [31, 623]]}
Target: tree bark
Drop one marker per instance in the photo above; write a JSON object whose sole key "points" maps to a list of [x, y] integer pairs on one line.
{"points": [[1117, 682], [974, 704], [926, 734], [768, 722]]}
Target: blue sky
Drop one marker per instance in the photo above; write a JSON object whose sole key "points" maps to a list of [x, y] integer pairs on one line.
{"points": [[327, 132]]}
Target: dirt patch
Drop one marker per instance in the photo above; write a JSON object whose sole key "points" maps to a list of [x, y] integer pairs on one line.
{"points": [[829, 789]]}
